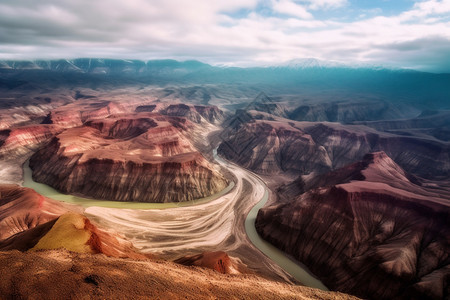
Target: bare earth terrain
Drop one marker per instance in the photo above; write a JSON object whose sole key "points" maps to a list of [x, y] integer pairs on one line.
{"points": [[351, 177], [61, 274]]}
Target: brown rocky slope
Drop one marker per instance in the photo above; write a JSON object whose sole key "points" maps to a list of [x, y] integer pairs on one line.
{"points": [[268, 144], [143, 157], [69, 257], [73, 232], [30, 221], [16, 142], [272, 147], [22, 209], [370, 230], [60, 274]]}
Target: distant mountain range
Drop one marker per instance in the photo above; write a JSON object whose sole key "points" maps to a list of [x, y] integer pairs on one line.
{"points": [[107, 66], [310, 78], [100, 66], [314, 63]]}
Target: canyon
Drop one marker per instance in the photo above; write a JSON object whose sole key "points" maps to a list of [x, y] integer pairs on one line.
{"points": [[265, 143], [149, 156], [367, 220], [351, 180], [144, 157], [362, 204], [76, 258]]}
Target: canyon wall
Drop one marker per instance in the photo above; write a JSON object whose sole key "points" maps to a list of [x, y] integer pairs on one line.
{"points": [[368, 229], [144, 157]]}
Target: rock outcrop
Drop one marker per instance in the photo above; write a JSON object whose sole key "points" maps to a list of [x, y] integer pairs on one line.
{"points": [[30, 221], [141, 157], [346, 144], [195, 113], [22, 140], [264, 103], [145, 108], [22, 209], [369, 229], [73, 232], [271, 145], [350, 111], [77, 113], [217, 260], [373, 167]]}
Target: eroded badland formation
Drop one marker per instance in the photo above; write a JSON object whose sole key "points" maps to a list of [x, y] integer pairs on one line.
{"points": [[356, 173]]}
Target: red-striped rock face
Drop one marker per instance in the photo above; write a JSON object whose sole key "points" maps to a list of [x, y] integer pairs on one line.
{"points": [[145, 157], [22, 209], [29, 220], [275, 145], [17, 141], [369, 229], [272, 147]]}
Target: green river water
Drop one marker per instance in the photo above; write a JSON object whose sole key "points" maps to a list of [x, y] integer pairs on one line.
{"points": [[289, 265]]}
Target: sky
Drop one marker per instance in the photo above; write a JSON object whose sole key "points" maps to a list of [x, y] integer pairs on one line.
{"points": [[395, 33]]}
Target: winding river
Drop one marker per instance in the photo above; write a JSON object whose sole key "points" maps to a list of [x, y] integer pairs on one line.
{"points": [[229, 194], [289, 265]]}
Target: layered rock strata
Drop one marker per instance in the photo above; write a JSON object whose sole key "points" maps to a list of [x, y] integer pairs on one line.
{"points": [[73, 232], [271, 145], [195, 113], [22, 140], [22, 209], [369, 229], [141, 157]]}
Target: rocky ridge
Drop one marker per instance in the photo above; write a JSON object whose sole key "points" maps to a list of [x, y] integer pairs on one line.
{"points": [[17, 142], [63, 254], [268, 144], [22, 209], [217, 260], [368, 229], [272, 147], [142, 157]]}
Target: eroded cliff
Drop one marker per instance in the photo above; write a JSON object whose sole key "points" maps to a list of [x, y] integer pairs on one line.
{"points": [[142, 157], [268, 144], [369, 229], [272, 147]]}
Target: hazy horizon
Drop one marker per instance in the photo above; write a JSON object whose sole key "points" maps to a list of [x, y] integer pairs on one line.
{"points": [[304, 62]]}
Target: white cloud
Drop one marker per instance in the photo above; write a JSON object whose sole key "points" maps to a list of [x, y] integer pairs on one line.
{"points": [[326, 4], [427, 8], [433, 7], [290, 8], [206, 30]]}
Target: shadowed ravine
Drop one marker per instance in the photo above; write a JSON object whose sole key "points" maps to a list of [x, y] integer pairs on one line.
{"points": [[172, 229]]}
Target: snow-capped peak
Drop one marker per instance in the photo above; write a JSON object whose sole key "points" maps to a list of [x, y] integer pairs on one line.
{"points": [[314, 63]]}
